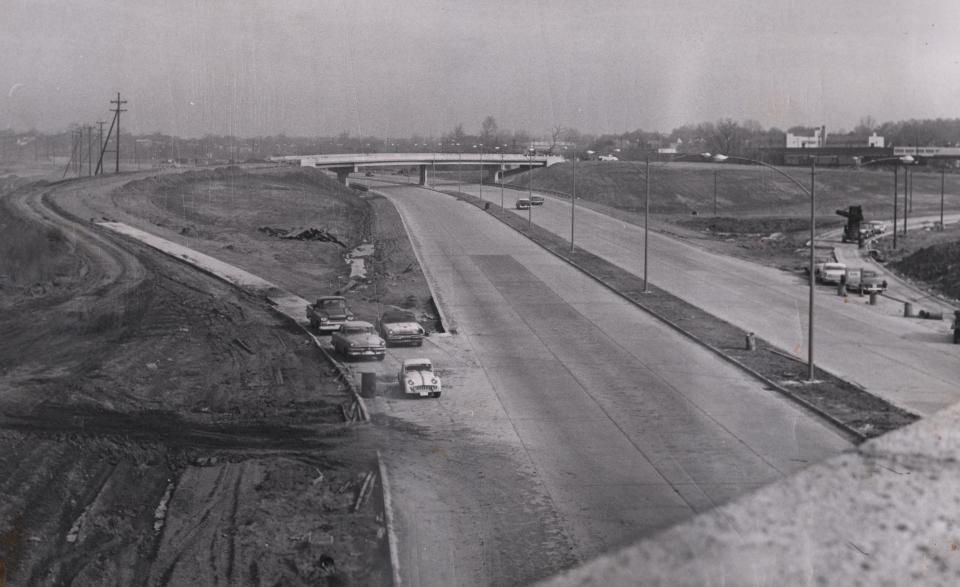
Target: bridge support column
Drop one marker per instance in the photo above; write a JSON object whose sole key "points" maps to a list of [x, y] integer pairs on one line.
{"points": [[343, 174], [423, 175]]}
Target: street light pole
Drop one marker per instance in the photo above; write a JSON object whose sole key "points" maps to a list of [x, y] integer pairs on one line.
{"points": [[646, 223], [502, 169], [530, 152], [813, 261], [715, 173], [481, 173], [906, 199], [812, 193], [573, 198], [942, 172]]}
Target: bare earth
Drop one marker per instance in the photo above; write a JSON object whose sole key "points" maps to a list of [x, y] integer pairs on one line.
{"points": [[160, 427]]}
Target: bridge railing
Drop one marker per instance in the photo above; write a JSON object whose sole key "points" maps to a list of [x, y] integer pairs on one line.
{"points": [[333, 160]]}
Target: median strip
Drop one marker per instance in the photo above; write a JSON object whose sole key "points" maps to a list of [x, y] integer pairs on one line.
{"points": [[849, 407]]}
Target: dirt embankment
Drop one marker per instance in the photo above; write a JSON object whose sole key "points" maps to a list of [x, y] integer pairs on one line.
{"points": [[937, 266], [158, 426]]}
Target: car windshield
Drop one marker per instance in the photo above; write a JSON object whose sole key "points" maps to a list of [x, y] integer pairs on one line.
{"points": [[869, 274], [419, 367], [397, 318], [333, 304], [357, 330]]}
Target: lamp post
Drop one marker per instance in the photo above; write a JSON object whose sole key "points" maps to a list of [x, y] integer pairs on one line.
{"points": [[530, 152], [501, 175], [812, 193], [905, 160], [715, 173], [573, 197], [943, 170], [481, 171], [646, 222]]}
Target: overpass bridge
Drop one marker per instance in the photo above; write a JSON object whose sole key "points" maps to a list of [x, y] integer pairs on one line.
{"points": [[346, 163]]}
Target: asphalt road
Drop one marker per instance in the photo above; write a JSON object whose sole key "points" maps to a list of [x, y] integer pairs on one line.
{"points": [[908, 362], [610, 424]]}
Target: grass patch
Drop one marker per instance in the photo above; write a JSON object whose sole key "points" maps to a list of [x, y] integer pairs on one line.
{"points": [[741, 190]]}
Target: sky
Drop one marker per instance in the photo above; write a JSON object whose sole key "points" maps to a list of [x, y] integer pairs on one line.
{"points": [[394, 68]]}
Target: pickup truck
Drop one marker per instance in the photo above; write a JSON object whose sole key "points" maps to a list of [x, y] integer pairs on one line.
{"points": [[865, 280], [872, 281], [328, 314]]}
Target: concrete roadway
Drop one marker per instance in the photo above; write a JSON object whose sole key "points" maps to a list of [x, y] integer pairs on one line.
{"points": [[617, 425], [908, 362]]}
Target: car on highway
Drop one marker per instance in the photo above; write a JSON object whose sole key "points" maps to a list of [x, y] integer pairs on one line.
{"points": [[416, 377], [536, 200], [830, 272], [400, 327], [523, 203], [328, 313], [357, 339]]}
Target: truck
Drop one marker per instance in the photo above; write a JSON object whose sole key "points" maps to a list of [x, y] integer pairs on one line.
{"points": [[851, 230], [328, 314], [863, 280]]}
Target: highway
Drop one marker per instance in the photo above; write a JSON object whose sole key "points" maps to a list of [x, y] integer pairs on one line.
{"points": [[908, 362], [571, 422]]}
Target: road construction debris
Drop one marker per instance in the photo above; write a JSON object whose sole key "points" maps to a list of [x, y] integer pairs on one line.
{"points": [[301, 234]]}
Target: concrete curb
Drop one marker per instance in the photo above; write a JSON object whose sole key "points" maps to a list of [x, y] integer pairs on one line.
{"points": [[392, 542], [446, 323]]}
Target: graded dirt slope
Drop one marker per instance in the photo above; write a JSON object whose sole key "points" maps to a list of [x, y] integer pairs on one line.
{"points": [[159, 427]]}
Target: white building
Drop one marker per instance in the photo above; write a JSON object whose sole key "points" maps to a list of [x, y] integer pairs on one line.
{"points": [[817, 141]]}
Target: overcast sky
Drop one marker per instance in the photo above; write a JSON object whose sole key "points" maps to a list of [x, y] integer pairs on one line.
{"points": [[395, 68]]}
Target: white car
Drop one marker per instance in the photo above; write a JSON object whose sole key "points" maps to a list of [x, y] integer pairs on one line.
{"points": [[416, 377], [400, 327], [830, 272]]}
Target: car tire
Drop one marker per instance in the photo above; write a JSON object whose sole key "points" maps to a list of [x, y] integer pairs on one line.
{"points": [[381, 357], [420, 342], [437, 394]]}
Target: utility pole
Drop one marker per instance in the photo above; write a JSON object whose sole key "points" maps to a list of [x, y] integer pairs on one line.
{"points": [[90, 150], [117, 112], [78, 137], [100, 123]]}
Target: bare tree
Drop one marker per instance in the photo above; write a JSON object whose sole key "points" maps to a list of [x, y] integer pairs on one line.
{"points": [[488, 131], [555, 133]]}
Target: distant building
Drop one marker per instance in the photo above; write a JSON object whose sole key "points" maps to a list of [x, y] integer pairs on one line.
{"points": [[817, 141], [875, 141]]}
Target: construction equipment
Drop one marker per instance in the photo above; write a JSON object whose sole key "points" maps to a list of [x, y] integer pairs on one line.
{"points": [[851, 230]]}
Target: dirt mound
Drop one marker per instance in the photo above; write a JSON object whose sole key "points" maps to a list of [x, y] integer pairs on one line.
{"points": [[938, 265]]}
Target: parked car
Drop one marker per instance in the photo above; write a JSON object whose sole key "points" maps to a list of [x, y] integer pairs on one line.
{"points": [[830, 272], [416, 377], [876, 227], [523, 203], [400, 327], [863, 280], [328, 313], [872, 281], [357, 339]]}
